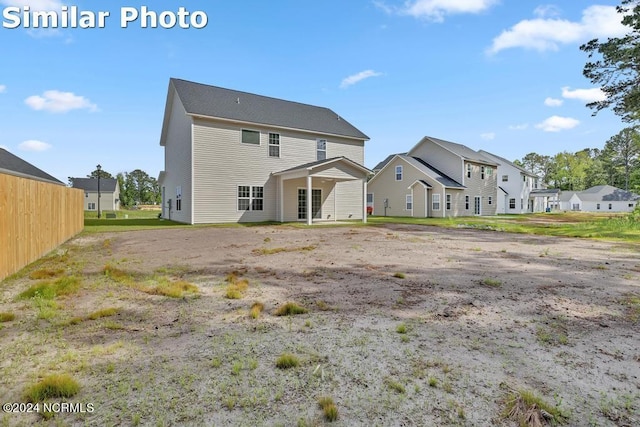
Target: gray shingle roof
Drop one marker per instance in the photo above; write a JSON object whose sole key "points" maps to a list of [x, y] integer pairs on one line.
{"points": [[503, 160], [212, 101], [460, 150], [14, 165], [311, 165], [607, 193], [383, 163], [108, 185], [432, 172]]}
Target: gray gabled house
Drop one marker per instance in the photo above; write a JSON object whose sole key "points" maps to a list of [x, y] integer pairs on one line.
{"points": [[232, 156], [11, 164], [109, 193]]}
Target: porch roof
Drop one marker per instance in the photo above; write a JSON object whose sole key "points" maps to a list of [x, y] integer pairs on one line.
{"points": [[311, 168]]}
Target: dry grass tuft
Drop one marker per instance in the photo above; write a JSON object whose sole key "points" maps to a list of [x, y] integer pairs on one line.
{"points": [[272, 251], [329, 408], [177, 289], [52, 387], [256, 309], [287, 360], [46, 273], [6, 317], [105, 312], [290, 309], [236, 287], [528, 410]]}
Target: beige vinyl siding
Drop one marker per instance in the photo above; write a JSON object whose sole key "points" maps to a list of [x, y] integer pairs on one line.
{"points": [[291, 194], [222, 163], [420, 200], [444, 160], [484, 188], [107, 200], [457, 203], [350, 200], [384, 186], [178, 162]]}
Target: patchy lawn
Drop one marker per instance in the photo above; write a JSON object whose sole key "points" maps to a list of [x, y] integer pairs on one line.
{"points": [[394, 324]]}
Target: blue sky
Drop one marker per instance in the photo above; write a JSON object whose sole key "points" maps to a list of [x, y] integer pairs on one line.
{"points": [[503, 76]]}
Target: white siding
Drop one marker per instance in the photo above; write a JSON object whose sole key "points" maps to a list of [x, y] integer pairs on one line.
{"points": [[178, 162], [484, 188], [444, 160], [222, 163]]}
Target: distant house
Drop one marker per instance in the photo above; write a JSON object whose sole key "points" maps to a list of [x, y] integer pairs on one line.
{"points": [[601, 198], [13, 165], [436, 178], [520, 191], [109, 193], [233, 156]]}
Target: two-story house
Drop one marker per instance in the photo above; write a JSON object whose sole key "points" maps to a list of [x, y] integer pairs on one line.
{"points": [[233, 156], [520, 191], [109, 193], [436, 178]]}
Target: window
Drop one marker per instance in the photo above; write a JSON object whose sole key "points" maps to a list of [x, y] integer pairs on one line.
{"points": [[409, 200], [630, 205], [435, 202], [524, 178], [250, 137], [490, 200], [610, 206], [481, 172], [398, 173], [468, 170], [598, 206], [321, 149], [505, 178], [489, 171], [448, 201], [512, 203], [521, 203], [250, 198], [179, 198], [274, 145], [86, 194], [466, 202], [91, 207]]}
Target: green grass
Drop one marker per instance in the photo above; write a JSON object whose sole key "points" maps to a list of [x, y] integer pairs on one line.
{"points": [[287, 360], [494, 283], [399, 275], [619, 227], [52, 387], [52, 289], [395, 386], [401, 328], [290, 309], [105, 312]]}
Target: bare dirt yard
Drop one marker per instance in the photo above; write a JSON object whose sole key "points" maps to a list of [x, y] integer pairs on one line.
{"points": [[406, 326]]}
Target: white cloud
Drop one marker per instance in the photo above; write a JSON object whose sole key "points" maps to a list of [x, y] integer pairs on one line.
{"points": [[488, 136], [586, 95], [544, 34], [436, 10], [34, 145], [547, 11], [59, 102], [553, 102], [557, 123], [3, 88], [351, 80], [521, 126]]}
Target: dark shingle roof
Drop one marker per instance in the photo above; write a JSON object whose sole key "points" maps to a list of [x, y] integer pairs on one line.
{"points": [[503, 160], [14, 165], [460, 150], [434, 173], [108, 185], [212, 101], [383, 163]]}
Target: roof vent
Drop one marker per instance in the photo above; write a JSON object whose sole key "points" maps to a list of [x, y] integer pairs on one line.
{"points": [[238, 100]]}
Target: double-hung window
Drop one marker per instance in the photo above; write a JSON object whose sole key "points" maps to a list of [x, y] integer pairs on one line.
{"points": [[448, 200], [481, 172], [321, 149], [435, 202], [466, 202], [398, 173], [274, 145], [409, 200], [468, 170], [250, 198]]}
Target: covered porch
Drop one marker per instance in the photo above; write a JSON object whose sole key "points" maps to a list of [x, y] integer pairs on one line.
{"points": [[326, 190]]}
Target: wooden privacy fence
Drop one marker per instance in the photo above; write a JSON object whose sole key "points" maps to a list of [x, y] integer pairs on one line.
{"points": [[35, 218]]}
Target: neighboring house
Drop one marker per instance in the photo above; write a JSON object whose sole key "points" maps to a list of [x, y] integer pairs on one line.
{"points": [[109, 193], [601, 198], [11, 164], [436, 178], [233, 156], [520, 191]]}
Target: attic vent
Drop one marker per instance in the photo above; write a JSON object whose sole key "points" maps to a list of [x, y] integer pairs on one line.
{"points": [[238, 101], [339, 118]]}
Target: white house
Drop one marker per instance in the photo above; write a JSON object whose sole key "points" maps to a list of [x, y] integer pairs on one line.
{"points": [[233, 156], [109, 193], [520, 191], [601, 198], [436, 178]]}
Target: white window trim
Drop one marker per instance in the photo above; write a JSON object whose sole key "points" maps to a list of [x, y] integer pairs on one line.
{"points": [[447, 201], [435, 198], [250, 198], [249, 143], [269, 145], [408, 199], [326, 144], [395, 170]]}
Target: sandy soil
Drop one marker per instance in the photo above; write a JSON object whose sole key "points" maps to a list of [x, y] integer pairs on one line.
{"points": [[485, 313]]}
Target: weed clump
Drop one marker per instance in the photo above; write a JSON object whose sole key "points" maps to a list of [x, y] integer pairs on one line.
{"points": [[6, 317], [256, 309], [50, 290], [52, 387], [290, 309], [287, 360], [329, 408], [529, 410]]}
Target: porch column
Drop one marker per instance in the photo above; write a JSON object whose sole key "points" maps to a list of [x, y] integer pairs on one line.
{"points": [[364, 199], [309, 210], [281, 182]]}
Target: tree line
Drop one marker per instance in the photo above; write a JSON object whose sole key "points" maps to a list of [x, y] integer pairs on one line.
{"points": [[136, 187], [617, 164]]}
